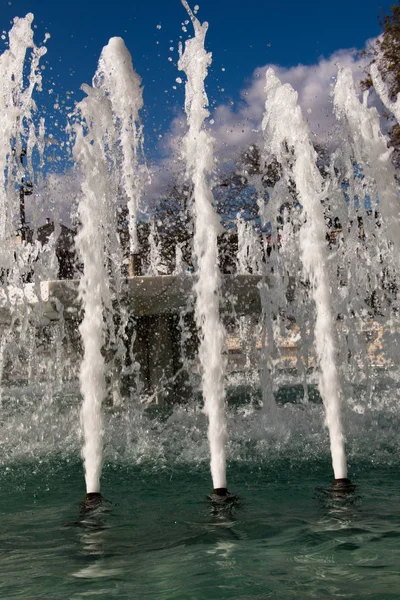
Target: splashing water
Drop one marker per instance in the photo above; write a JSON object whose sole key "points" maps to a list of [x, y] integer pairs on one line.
{"points": [[93, 285], [117, 77], [369, 148], [20, 77], [287, 137], [382, 91], [16, 107], [108, 153], [109, 125], [198, 152]]}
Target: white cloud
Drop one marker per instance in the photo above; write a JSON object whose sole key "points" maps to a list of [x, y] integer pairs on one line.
{"points": [[235, 129]]}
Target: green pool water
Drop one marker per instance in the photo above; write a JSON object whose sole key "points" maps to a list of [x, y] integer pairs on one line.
{"points": [[158, 537]]}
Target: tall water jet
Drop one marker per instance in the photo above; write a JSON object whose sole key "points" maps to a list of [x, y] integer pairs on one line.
{"points": [[198, 153], [106, 145], [21, 148], [16, 107], [93, 285], [287, 138]]}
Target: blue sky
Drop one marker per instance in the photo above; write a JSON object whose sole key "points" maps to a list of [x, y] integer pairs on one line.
{"points": [[243, 35]]}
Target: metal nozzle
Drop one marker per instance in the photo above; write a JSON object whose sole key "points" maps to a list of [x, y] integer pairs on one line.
{"points": [[220, 492], [343, 486], [92, 500]]}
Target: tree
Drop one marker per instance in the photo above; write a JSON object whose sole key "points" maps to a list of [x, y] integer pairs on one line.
{"points": [[387, 49]]}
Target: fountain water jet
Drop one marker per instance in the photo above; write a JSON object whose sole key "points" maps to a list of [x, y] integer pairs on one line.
{"points": [[198, 152], [117, 77], [287, 137], [370, 152], [16, 106], [21, 135], [94, 284], [380, 87], [109, 113]]}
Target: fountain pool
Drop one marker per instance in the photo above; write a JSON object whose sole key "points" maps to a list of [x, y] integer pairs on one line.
{"points": [[160, 538]]}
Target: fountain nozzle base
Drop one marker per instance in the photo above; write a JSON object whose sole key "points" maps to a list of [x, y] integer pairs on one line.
{"points": [[220, 492], [343, 485], [221, 497], [91, 501]]}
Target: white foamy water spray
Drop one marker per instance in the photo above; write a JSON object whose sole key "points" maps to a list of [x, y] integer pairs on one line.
{"points": [[117, 77], [105, 149], [198, 151], [17, 133], [370, 152], [22, 259], [94, 285], [287, 137], [382, 91], [249, 255]]}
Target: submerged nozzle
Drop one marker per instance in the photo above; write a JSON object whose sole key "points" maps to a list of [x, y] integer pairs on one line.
{"points": [[221, 497], [341, 492], [220, 492], [91, 501], [343, 485]]}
